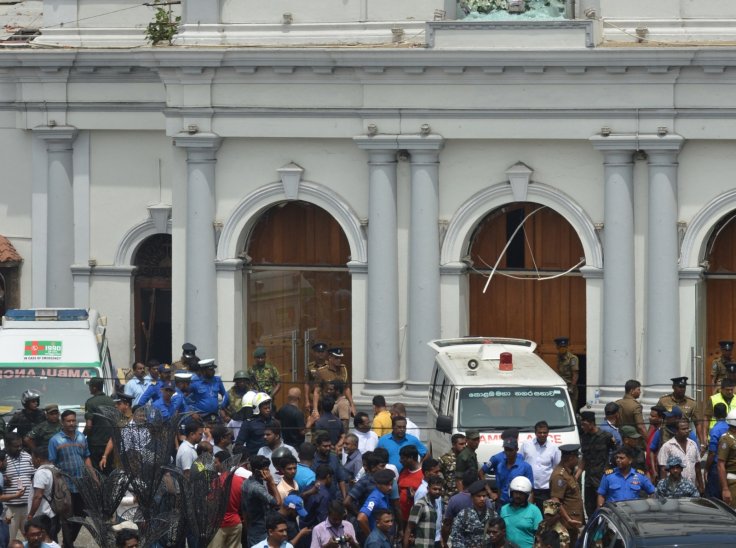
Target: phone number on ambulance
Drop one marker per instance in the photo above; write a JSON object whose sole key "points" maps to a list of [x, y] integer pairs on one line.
{"points": [[519, 393]]}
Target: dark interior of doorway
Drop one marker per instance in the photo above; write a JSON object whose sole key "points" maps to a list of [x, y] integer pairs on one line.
{"points": [[154, 326]]}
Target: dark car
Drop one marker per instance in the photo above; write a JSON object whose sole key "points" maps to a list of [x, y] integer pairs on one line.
{"points": [[661, 522]]}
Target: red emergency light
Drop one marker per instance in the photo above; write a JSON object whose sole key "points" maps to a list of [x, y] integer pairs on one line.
{"points": [[506, 363]]}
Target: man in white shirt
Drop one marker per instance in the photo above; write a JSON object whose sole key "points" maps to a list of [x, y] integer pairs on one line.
{"points": [[399, 410], [41, 493], [272, 437], [187, 452], [687, 450], [542, 455], [367, 438]]}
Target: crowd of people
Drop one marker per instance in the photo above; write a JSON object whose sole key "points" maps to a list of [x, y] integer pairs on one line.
{"points": [[317, 473]]}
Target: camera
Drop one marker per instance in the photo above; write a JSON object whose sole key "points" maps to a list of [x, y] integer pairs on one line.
{"points": [[342, 540]]}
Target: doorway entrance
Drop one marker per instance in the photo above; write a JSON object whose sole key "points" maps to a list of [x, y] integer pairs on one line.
{"points": [[720, 282], [535, 293], [299, 288], [152, 299]]}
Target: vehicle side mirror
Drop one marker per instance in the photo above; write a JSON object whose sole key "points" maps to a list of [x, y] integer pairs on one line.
{"points": [[444, 424]]}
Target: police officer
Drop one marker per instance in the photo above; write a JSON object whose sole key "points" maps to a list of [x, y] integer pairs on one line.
{"points": [[727, 461], [686, 404], [205, 391], [631, 410], [568, 367], [320, 360], [153, 392], [718, 368], [335, 370], [265, 374], [188, 360], [40, 435], [623, 482], [564, 487]]}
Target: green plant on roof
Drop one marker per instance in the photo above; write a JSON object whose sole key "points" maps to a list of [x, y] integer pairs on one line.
{"points": [[164, 25]]}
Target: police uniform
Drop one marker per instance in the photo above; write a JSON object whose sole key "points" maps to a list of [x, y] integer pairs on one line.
{"points": [[568, 366], [631, 412], [564, 487], [727, 455], [687, 405], [188, 352], [616, 487], [718, 368]]}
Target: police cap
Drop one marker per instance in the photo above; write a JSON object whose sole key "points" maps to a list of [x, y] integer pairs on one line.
{"points": [[731, 367], [477, 487], [570, 448], [188, 349], [336, 352], [726, 345], [123, 397], [679, 381], [562, 341], [319, 347], [209, 363]]}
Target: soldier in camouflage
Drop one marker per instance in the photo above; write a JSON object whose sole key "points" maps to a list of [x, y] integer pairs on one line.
{"points": [[718, 368], [568, 367], [447, 466], [267, 376]]}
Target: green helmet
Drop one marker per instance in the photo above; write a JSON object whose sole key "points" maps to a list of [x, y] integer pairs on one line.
{"points": [[240, 375]]}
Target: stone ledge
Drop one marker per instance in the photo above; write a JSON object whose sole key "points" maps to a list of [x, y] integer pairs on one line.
{"points": [[512, 34]]}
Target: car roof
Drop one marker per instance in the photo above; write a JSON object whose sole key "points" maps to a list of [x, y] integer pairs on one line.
{"points": [[670, 517]]}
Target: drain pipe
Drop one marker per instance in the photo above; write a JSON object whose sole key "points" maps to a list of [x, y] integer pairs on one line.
{"points": [[570, 9]]}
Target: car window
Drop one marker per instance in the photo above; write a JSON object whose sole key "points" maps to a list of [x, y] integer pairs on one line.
{"points": [[604, 534]]}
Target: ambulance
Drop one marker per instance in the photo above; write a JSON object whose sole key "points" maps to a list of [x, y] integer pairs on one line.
{"points": [[53, 351], [492, 384]]}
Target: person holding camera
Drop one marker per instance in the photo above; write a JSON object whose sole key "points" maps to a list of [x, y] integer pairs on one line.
{"points": [[335, 531]]}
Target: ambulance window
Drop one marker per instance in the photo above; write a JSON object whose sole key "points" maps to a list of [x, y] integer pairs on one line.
{"points": [[437, 385], [451, 401]]}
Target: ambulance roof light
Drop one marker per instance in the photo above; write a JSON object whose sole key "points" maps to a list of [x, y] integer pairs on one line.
{"points": [[47, 314]]}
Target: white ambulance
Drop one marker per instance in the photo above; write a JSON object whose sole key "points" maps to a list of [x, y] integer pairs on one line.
{"points": [[492, 384], [54, 352]]}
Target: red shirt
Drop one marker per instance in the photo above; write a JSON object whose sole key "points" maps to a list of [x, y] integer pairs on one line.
{"points": [[408, 483], [232, 514]]}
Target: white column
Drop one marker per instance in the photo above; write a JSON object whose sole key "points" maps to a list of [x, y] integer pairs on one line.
{"points": [[454, 300], [619, 334], [230, 314], [593, 328], [692, 330], [382, 322], [424, 259], [201, 280], [59, 214], [662, 290]]}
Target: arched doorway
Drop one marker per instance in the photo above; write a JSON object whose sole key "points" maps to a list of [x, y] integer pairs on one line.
{"points": [[298, 287], [152, 299], [517, 303], [720, 276]]}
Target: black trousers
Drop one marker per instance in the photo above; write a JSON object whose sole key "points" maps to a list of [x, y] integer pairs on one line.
{"points": [[69, 530]]}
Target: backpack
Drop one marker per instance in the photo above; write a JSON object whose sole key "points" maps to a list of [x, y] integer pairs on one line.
{"points": [[61, 497]]}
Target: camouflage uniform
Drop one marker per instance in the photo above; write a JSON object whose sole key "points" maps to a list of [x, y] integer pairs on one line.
{"points": [[267, 376], [447, 467], [568, 366], [718, 370], [43, 432], [235, 399]]}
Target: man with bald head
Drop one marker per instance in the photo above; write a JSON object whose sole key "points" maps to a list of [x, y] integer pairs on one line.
{"points": [[291, 417]]}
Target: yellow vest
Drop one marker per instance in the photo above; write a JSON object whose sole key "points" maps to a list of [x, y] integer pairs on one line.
{"points": [[718, 398]]}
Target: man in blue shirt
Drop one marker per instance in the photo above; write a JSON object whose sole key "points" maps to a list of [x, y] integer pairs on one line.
{"points": [[507, 466], [623, 483], [170, 403], [136, 386], [68, 450], [153, 392], [305, 476], [612, 410], [324, 455], [377, 499], [205, 390], [397, 439], [380, 537], [713, 484]]}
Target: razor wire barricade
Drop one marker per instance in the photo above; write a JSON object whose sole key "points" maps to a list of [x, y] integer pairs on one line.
{"points": [[168, 507]]}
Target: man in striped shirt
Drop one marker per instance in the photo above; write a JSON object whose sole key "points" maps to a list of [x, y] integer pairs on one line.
{"points": [[18, 475], [68, 450]]}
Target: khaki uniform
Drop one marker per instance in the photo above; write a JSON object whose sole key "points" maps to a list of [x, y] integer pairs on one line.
{"points": [[563, 487], [568, 366], [689, 409], [631, 412], [727, 455], [718, 370], [326, 374]]}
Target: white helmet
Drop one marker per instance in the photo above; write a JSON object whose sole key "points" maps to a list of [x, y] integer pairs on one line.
{"points": [[249, 398], [259, 400], [521, 484], [731, 418]]}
